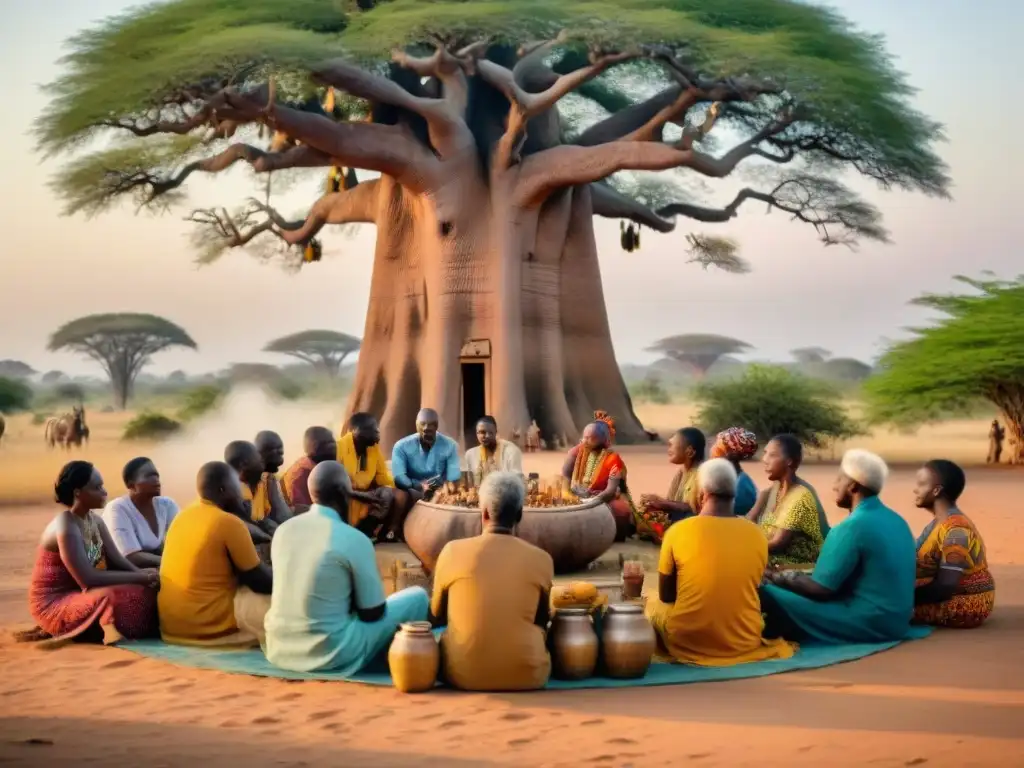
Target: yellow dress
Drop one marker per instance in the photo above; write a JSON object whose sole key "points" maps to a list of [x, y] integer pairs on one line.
{"points": [[366, 475], [716, 617], [259, 501]]}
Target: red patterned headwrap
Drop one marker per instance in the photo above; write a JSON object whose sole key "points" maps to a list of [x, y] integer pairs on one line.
{"points": [[740, 443]]}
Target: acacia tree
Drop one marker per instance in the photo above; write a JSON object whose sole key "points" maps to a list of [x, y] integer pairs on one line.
{"points": [[325, 350], [975, 352], [122, 343], [700, 351], [497, 139], [810, 355], [847, 369], [16, 369]]}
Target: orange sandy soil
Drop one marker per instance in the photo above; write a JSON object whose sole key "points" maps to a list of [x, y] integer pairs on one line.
{"points": [[955, 699]]}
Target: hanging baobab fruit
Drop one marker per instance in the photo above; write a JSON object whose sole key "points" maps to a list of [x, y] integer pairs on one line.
{"points": [[629, 237], [335, 179], [312, 252], [637, 237]]}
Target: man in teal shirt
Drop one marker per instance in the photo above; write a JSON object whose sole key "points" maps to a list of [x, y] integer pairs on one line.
{"points": [[862, 587], [328, 610]]}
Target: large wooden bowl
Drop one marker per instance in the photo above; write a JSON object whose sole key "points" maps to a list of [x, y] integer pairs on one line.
{"points": [[574, 536]]}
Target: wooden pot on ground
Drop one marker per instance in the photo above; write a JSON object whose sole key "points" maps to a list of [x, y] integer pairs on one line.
{"points": [[574, 535]]}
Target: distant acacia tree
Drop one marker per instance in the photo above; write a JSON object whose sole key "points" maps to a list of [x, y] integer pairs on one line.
{"points": [[325, 350], [122, 343], [16, 369], [976, 351], [698, 350], [846, 369], [53, 377], [810, 355]]}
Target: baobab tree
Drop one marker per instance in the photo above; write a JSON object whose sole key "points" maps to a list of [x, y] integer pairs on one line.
{"points": [[324, 350], [481, 141], [122, 343], [700, 351]]}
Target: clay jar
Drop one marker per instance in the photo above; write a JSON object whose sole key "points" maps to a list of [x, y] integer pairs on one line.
{"points": [[414, 657], [627, 641], [574, 645]]}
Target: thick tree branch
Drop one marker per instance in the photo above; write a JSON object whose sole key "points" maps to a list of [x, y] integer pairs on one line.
{"points": [[449, 68], [388, 149], [449, 133], [834, 211], [624, 122], [352, 206], [570, 165], [611, 204]]}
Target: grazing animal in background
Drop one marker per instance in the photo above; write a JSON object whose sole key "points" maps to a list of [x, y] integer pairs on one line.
{"points": [[67, 430]]}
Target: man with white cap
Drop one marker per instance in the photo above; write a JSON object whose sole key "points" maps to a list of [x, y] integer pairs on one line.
{"points": [[862, 587]]}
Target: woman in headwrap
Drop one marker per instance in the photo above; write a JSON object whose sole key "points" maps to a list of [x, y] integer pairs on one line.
{"points": [[594, 470], [737, 444]]}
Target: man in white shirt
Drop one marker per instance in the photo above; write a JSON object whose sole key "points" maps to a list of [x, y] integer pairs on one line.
{"points": [[492, 455]]}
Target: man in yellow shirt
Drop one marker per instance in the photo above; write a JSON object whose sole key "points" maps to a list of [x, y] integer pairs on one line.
{"points": [[213, 588], [710, 568], [263, 505], [493, 592], [375, 507]]}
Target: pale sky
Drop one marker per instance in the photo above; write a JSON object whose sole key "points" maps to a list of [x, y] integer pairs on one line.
{"points": [[965, 57]]}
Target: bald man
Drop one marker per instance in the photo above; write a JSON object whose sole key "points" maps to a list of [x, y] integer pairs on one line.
{"points": [[423, 462], [215, 589], [328, 610], [318, 445]]}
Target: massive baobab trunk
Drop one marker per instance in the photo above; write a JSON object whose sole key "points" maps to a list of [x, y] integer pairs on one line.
{"points": [[465, 265]]}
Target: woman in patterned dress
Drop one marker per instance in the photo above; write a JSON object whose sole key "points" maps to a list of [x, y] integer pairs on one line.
{"points": [[686, 450], [954, 585], [594, 471], [738, 445], [82, 587], [789, 512]]}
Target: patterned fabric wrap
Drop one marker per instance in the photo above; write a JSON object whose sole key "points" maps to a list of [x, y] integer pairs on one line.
{"points": [[741, 444], [955, 545]]}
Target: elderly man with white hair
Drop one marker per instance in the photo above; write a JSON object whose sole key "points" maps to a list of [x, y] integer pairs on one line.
{"points": [[862, 587], [709, 572], [492, 592]]}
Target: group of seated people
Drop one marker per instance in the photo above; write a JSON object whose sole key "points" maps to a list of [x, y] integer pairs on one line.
{"points": [[289, 563]]}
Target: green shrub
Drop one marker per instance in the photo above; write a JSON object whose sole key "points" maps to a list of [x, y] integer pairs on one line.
{"points": [[769, 400], [15, 395], [150, 426], [39, 418], [199, 401], [650, 390]]}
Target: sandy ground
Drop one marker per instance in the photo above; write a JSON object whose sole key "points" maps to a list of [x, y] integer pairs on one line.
{"points": [[956, 699]]}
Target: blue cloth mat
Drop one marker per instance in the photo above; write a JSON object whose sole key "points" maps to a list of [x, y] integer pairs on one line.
{"points": [[253, 662]]}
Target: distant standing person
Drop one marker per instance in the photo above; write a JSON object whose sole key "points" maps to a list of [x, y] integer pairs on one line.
{"points": [[138, 521], [318, 445], [996, 436]]}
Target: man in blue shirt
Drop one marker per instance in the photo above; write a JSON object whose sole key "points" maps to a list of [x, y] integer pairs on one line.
{"points": [[862, 587], [422, 463]]}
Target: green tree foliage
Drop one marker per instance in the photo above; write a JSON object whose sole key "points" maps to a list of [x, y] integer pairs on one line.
{"points": [[974, 351], [122, 343], [770, 400], [200, 400], [822, 95], [150, 426], [325, 350], [15, 395], [698, 350]]}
